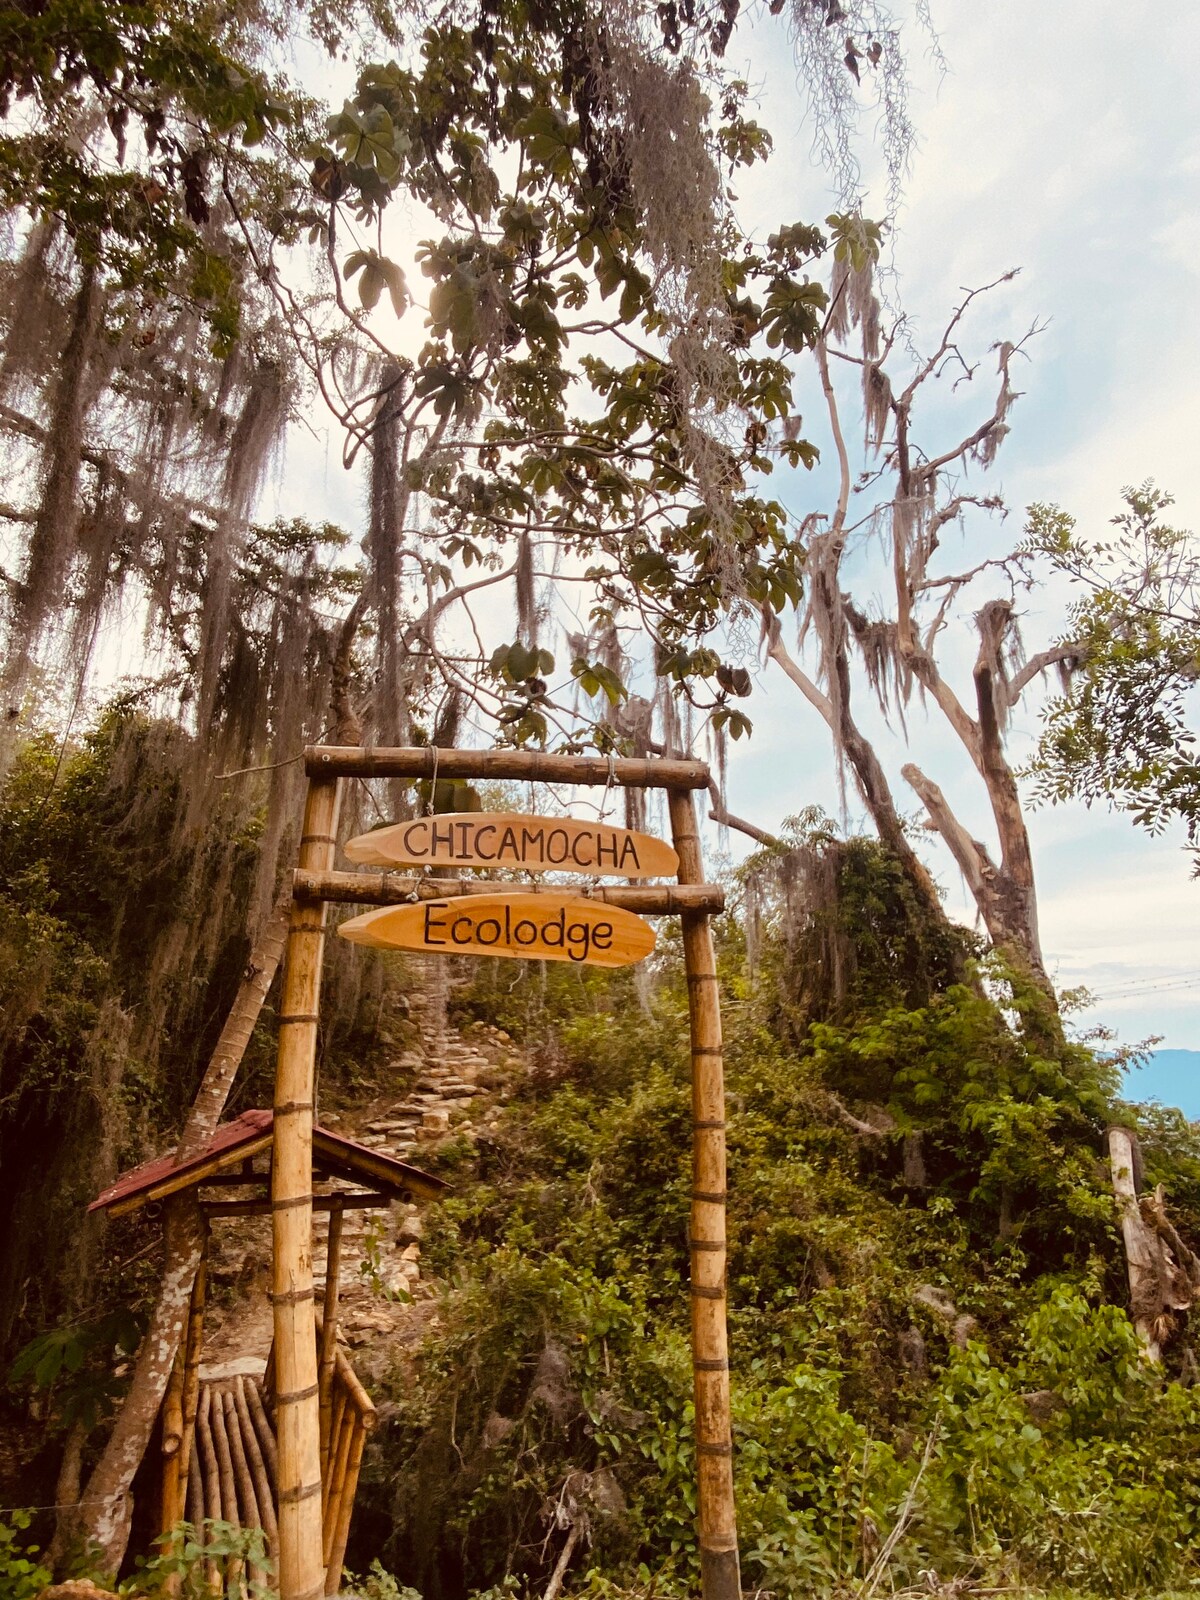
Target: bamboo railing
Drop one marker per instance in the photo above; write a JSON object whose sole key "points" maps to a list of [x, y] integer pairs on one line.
{"points": [[352, 1416]]}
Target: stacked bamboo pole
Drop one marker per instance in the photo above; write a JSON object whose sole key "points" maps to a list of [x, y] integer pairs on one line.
{"points": [[230, 1479], [719, 1569], [257, 1461], [297, 1411], [211, 1480]]}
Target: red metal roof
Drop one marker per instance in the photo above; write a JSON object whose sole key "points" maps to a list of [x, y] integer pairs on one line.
{"points": [[245, 1130]]}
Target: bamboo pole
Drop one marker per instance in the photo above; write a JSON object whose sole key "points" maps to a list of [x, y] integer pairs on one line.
{"points": [[337, 1421], [333, 1271], [193, 1344], [195, 1489], [719, 1568], [356, 1394], [389, 889], [264, 1430], [337, 1475], [229, 1501], [212, 1481], [347, 1489], [532, 766], [258, 1468], [251, 1512], [297, 1413]]}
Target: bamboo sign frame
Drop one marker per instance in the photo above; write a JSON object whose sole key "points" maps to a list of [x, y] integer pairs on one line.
{"points": [[298, 1386]]}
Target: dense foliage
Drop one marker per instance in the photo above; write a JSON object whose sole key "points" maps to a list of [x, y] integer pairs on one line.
{"points": [[933, 1367]]}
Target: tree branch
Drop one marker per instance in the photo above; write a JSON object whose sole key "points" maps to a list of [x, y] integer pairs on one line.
{"points": [[1039, 663], [726, 819], [970, 856]]}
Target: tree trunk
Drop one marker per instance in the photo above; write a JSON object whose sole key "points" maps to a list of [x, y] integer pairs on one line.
{"points": [[66, 1490], [213, 1093], [104, 1518], [1142, 1253], [108, 1505]]}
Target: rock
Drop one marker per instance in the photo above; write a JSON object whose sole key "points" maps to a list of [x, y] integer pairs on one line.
{"points": [[436, 1119], [240, 1367], [411, 1252], [76, 1589]]}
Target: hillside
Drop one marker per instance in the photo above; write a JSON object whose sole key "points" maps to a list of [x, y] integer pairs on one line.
{"points": [[937, 1385]]}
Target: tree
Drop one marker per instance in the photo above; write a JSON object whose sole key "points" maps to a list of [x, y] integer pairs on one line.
{"points": [[1122, 729], [535, 134], [910, 497], [156, 345]]}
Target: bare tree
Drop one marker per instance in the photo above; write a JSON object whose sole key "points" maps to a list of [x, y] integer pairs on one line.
{"points": [[896, 640]]}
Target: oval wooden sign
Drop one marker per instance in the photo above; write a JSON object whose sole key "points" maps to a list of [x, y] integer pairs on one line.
{"points": [[505, 839], [538, 927]]}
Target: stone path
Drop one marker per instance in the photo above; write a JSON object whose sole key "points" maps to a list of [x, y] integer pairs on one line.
{"points": [[384, 1301]]}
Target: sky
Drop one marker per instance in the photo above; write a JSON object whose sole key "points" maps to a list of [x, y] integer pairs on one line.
{"points": [[1063, 140]]}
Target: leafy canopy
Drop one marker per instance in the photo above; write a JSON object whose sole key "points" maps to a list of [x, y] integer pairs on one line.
{"points": [[1124, 731]]}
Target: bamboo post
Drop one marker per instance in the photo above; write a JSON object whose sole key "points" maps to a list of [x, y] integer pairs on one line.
{"points": [[333, 1272], [719, 1568], [193, 1342], [297, 1411], [339, 1412]]}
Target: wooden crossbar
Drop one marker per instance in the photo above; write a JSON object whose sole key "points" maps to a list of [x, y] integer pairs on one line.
{"points": [[531, 766], [331, 1203], [390, 889]]}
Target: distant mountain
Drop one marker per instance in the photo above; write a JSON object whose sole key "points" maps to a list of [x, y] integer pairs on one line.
{"points": [[1172, 1076]]}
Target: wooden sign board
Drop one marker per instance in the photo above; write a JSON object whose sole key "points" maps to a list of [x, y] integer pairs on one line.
{"points": [[505, 839], [538, 927]]}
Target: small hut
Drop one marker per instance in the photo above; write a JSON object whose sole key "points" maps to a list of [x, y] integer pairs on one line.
{"points": [[217, 1438]]}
